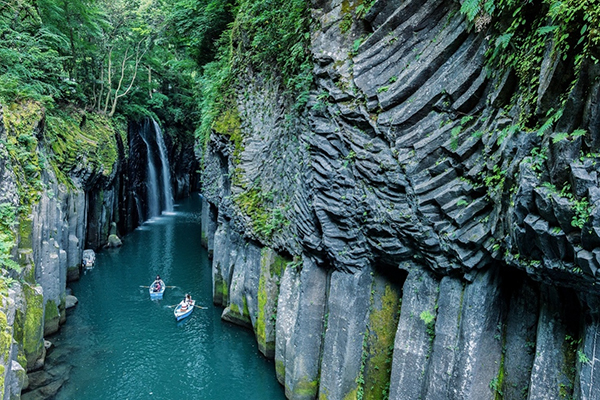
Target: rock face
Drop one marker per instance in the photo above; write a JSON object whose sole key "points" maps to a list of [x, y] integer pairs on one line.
{"points": [[85, 197], [79, 204], [407, 190]]}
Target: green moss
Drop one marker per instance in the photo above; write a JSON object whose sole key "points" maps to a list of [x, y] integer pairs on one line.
{"points": [[221, 290], [305, 388], [51, 316], [33, 329], [279, 265], [260, 328], [383, 323], [75, 136], [272, 266], [2, 377], [229, 124], [26, 248], [243, 315], [266, 217], [5, 346], [280, 370], [323, 394], [20, 120], [5, 337], [569, 368]]}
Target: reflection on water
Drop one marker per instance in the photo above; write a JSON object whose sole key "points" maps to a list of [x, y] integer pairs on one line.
{"points": [[122, 345]]}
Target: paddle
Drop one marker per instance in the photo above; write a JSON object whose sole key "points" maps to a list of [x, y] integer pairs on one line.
{"points": [[170, 287], [175, 305]]}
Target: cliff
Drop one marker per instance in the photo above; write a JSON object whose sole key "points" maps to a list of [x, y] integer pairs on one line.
{"points": [[65, 181], [427, 225]]}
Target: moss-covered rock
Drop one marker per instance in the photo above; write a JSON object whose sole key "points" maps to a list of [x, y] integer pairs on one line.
{"points": [[33, 329], [82, 140], [383, 322], [237, 316], [5, 347], [21, 122], [272, 267], [305, 389], [221, 290], [51, 317]]}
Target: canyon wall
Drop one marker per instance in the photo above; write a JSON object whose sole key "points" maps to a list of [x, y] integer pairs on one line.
{"points": [[407, 236], [65, 185]]}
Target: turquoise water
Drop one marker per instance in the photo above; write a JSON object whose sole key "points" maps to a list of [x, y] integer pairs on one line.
{"points": [[121, 345]]}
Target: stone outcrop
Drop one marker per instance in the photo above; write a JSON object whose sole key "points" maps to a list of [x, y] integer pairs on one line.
{"points": [[62, 210], [406, 189]]}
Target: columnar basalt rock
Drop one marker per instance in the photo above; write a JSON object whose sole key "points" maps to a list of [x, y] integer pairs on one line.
{"points": [[444, 347], [49, 238], [348, 303], [414, 338], [409, 152]]}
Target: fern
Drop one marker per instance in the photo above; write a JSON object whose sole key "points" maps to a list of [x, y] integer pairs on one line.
{"points": [[471, 8], [546, 29]]}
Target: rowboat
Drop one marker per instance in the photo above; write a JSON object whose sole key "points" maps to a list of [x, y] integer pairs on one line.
{"points": [[88, 258], [181, 313], [156, 295]]}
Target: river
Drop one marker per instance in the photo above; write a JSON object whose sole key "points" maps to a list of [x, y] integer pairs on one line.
{"points": [[121, 345]]}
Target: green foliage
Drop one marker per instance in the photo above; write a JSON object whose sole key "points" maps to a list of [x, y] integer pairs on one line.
{"points": [[75, 137], [274, 36], [266, 217], [494, 180], [455, 132], [581, 207], [95, 53], [196, 25], [582, 212], [429, 319], [31, 65], [582, 357], [270, 37], [8, 220], [519, 34]]}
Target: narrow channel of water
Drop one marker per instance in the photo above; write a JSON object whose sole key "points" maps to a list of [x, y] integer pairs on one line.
{"points": [[121, 345]]}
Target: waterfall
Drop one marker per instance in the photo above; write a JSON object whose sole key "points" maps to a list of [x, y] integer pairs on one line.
{"points": [[159, 192], [166, 173], [152, 179]]}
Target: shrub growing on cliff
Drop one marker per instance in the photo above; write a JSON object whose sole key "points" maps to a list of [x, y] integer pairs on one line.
{"points": [[8, 219], [520, 34]]}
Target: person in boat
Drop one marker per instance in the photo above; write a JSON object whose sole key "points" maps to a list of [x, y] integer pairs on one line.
{"points": [[158, 284], [188, 299], [184, 303]]}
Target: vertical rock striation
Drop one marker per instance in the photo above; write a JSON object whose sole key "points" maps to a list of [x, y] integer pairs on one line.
{"points": [[422, 187]]}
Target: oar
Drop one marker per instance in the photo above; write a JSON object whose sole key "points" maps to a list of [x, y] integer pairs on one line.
{"points": [[172, 287], [147, 287], [204, 308]]}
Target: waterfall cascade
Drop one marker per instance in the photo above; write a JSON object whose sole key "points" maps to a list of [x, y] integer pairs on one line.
{"points": [[159, 192], [166, 172]]}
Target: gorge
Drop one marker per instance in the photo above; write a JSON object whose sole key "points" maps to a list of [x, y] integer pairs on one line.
{"points": [[399, 197]]}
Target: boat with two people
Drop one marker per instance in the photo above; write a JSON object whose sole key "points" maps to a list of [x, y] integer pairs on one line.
{"points": [[157, 289], [184, 308]]}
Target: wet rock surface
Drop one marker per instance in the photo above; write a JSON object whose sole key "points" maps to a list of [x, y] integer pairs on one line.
{"points": [[45, 383]]}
